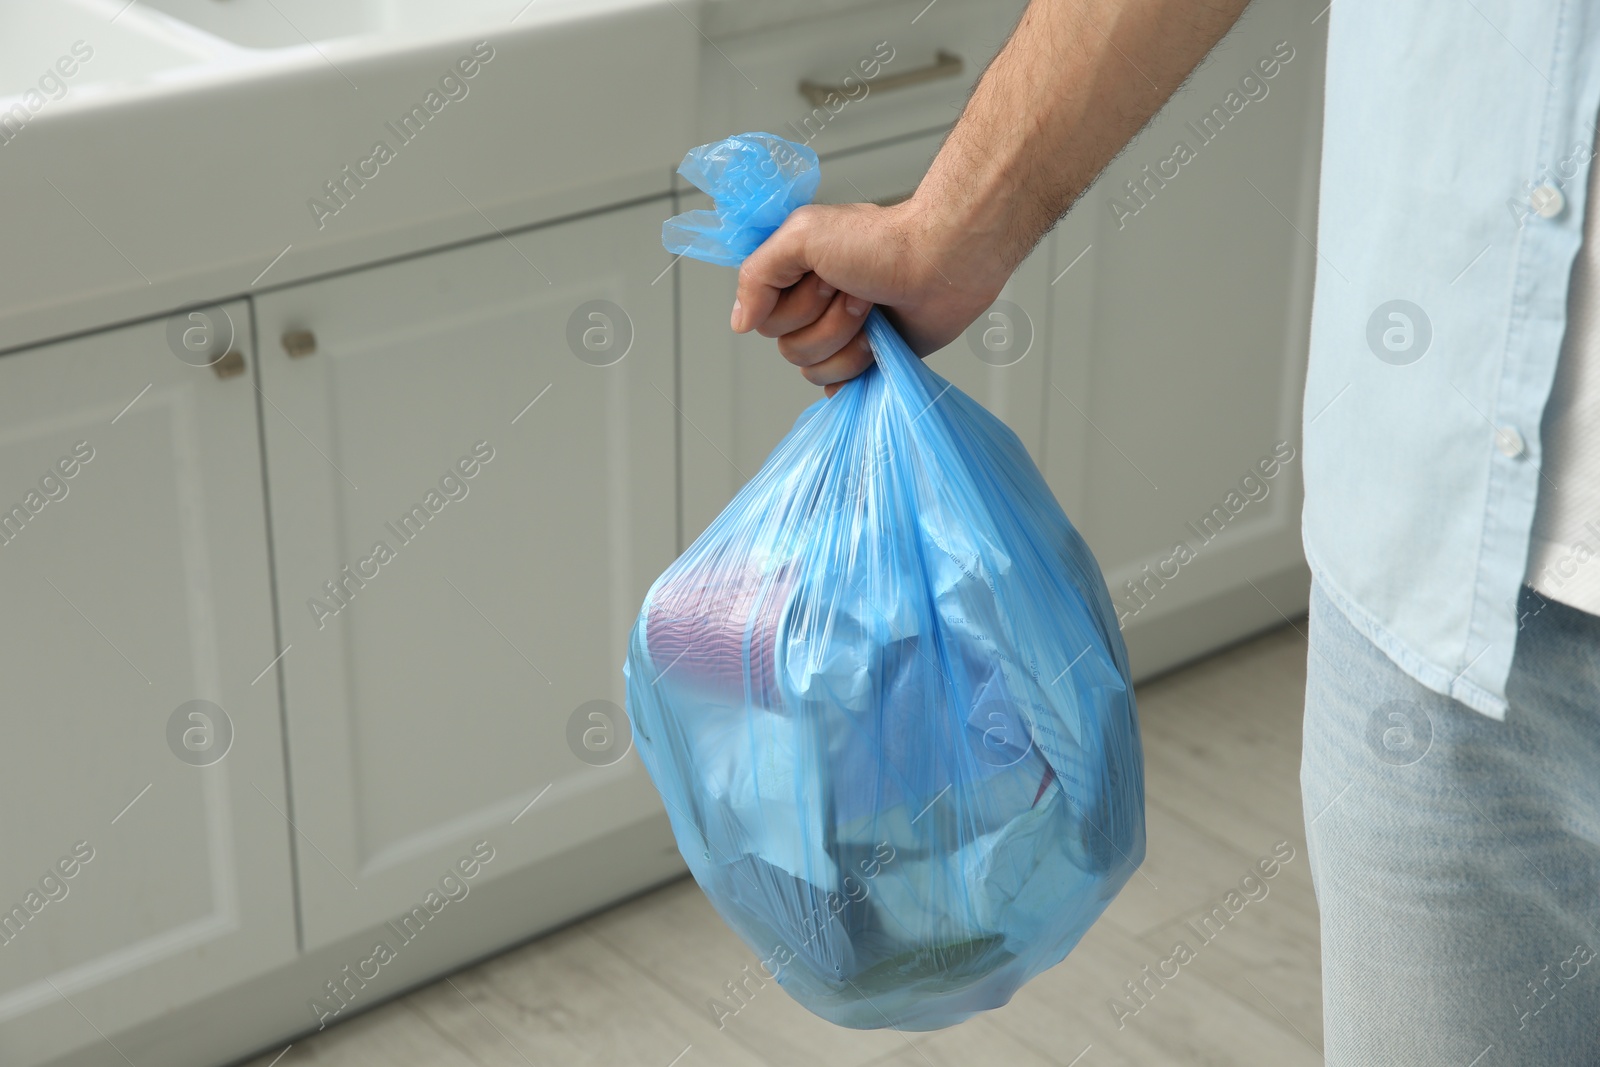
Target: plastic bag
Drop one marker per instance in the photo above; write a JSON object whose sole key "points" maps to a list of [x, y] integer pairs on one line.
{"points": [[884, 696]]}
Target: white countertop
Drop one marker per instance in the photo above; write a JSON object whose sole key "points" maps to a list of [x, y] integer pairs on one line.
{"points": [[142, 192], [177, 167]]}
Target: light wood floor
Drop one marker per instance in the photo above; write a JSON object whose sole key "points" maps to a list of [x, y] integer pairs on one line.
{"points": [[631, 987]]}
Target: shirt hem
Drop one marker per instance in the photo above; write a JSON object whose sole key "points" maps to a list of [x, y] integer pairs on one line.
{"points": [[1423, 670]]}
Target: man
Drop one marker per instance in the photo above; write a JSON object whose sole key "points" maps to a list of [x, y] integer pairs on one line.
{"points": [[1451, 770]]}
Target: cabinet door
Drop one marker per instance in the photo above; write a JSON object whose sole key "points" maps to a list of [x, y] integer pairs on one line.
{"points": [[740, 396], [472, 474], [144, 854], [1179, 347]]}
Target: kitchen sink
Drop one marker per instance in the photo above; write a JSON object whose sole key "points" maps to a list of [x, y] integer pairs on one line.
{"points": [[186, 154], [42, 40], [267, 24]]}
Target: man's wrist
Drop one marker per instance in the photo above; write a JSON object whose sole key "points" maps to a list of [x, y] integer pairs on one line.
{"points": [[965, 235]]}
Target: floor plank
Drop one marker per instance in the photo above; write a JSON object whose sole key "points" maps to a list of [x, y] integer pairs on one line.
{"points": [[1184, 865], [390, 1035], [976, 1041], [1186, 1021], [568, 999], [675, 936]]}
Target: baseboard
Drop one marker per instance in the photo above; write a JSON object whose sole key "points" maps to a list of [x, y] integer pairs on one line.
{"points": [[263, 1015], [1169, 641]]}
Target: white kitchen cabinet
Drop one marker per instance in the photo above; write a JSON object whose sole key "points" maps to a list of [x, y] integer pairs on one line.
{"points": [[740, 396], [133, 567], [525, 498], [1178, 349]]}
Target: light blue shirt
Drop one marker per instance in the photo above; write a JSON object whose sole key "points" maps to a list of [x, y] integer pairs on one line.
{"points": [[1456, 148]]}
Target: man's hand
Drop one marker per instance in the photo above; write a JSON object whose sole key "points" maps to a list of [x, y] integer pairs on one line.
{"points": [[811, 283], [1075, 82]]}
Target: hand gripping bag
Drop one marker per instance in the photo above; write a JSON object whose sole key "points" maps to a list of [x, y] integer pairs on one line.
{"points": [[884, 695]]}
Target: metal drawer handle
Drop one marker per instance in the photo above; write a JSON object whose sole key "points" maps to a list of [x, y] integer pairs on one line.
{"points": [[944, 65]]}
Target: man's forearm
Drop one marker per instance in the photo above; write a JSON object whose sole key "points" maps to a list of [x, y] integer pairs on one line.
{"points": [[1076, 81]]}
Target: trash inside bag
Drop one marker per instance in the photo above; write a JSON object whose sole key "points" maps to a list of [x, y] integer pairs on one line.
{"points": [[884, 695]]}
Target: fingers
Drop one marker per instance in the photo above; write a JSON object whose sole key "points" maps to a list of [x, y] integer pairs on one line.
{"points": [[798, 307], [847, 363], [780, 262], [818, 327], [831, 331]]}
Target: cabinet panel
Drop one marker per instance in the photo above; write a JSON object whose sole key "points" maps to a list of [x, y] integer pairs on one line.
{"points": [[1179, 347], [879, 71], [467, 516], [741, 396], [146, 856]]}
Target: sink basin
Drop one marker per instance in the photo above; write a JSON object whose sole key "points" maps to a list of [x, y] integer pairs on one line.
{"points": [[266, 24], [113, 45], [80, 35], [182, 163]]}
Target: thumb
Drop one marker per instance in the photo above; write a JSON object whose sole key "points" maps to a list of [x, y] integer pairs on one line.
{"points": [[780, 261]]}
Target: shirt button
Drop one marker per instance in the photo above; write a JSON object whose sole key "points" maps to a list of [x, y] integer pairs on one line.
{"points": [[1547, 201], [1509, 442]]}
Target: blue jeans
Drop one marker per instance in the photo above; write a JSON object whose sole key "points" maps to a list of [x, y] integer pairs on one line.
{"points": [[1456, 859]]}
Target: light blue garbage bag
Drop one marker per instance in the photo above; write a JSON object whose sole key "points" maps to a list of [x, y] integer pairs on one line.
{"points": [[884, 696]]}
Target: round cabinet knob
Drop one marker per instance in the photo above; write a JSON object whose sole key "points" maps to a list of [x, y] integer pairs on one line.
{"points": [[299, 343], [230, 364]]}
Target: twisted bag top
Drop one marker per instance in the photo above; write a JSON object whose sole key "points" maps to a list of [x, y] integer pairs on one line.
{"points": [[884, 696]]}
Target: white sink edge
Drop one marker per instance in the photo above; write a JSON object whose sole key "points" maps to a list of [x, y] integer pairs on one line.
{"points": [[365, 44], [190, 241], [157, 27], [219, 62]]}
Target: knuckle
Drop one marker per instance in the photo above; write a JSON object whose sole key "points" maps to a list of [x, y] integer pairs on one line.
{"points": [[801, 218], [793, 351], [819, 374]]}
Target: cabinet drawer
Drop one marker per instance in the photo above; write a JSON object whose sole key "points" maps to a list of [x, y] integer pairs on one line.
{"points": [[922, 60]]}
